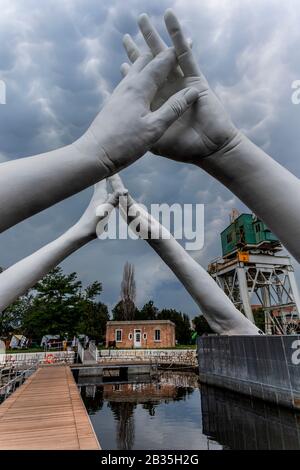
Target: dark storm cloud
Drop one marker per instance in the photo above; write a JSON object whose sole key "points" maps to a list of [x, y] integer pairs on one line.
{"points": [[61, 59]]}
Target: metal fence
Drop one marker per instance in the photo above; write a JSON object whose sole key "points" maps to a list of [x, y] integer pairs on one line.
{"points": [[12, 376]]}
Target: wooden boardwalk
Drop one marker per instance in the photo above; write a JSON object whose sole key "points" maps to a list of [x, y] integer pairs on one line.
{"points": [[46, 412]]}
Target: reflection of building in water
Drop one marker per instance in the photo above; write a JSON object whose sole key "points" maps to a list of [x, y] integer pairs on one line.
{"points": [[169, 386], [138, 392], [179, 379], [242, 423], [123, 398]]}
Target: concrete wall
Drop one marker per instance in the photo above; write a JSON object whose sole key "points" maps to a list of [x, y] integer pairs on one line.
{"points": [[165, 356], [266, 367], [58, 356]]}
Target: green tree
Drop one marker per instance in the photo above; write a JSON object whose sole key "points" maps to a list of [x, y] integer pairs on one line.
{"points": [[61, 306], [55, 307], [128, 293], [201, 326], [118, 313], [94, 315], [11, 319], [148, 312], [183, 331]]}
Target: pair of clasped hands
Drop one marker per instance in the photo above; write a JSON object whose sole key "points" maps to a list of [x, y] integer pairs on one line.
{"points": [[163, 104]]}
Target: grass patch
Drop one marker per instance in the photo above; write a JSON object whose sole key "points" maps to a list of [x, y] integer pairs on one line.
{"points": [[22, 351]]}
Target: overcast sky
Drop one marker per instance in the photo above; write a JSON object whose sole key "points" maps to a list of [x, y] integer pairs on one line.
{"points": [[61, 58]]}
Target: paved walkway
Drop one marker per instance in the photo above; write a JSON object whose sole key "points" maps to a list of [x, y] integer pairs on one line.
{"points": [[46, 412]]}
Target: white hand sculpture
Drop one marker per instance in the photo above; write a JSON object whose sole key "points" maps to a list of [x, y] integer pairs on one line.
{"points": [[122, 132], [205, 136], [119, 143], [216, 307], [17, 279], [205, 128]]}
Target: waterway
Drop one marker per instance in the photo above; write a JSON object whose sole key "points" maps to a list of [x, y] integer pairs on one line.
{"points": [[173, 411]]}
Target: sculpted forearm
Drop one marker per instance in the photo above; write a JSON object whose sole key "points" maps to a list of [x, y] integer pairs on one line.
{"points": [[216, 307], [20, 277], [267, 188], [17, 279], [122, 132], [29, 185]]}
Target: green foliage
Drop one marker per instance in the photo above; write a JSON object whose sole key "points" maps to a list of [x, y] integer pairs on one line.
{"points": [[183, 331], [58, 305], [201, 326], [120, 312], [12, 317], [148, 312], [93, 320], [117, 312], [94, 315], [55, 308]]}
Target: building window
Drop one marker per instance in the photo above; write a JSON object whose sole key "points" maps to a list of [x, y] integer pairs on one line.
{"points": [[130, 336], [145, 336], [118, 336], [157, 335]]}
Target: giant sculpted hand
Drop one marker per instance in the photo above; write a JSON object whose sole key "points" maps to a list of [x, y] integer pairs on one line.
{"points": [[206, 137], [101, 205], [122, 132], [205, 128], [17, 279], [126, 127]]}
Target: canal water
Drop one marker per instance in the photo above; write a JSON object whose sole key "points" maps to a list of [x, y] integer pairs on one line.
{"points": [[173, 412]]}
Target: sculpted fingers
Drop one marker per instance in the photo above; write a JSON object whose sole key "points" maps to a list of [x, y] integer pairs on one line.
{"points": [[183, 50], [131, 48], [175, 107], [151, 36], [156, 72], [117, 183]]}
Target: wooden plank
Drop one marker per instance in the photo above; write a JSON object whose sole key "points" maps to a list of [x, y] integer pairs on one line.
{"points": [[46, 413]]}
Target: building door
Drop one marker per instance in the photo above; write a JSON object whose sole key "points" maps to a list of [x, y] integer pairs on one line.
{"points": [[137, 339]]}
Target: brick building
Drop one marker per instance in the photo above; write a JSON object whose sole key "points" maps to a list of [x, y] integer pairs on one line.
{"points": [[140, 334]]}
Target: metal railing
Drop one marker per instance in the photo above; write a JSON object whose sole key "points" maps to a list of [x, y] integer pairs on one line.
{"points": [[80, 351], [12, 377], [93, 350]]}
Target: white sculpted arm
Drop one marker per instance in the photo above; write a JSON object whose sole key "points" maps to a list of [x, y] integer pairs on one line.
{"points": [[121, 133], [216, 307], [17, 279], [206, 137]]}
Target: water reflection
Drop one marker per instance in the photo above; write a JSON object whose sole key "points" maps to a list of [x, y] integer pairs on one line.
{"points": [[242, 423], [124, 415], [154, 414], [169, 413]]}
